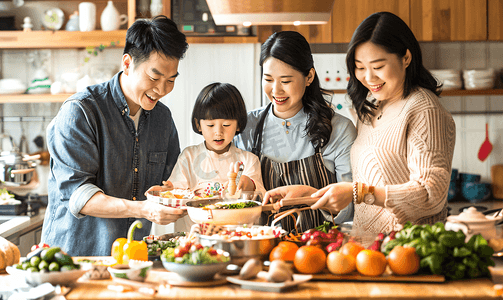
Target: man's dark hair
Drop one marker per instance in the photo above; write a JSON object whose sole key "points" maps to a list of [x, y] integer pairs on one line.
{"points": [[159, 34]]}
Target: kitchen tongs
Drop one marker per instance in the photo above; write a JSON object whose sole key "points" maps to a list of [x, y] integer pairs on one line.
{"points": [[291, 202]]}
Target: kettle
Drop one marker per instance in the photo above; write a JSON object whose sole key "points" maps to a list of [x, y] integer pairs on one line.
{"points": [[473, 222]]}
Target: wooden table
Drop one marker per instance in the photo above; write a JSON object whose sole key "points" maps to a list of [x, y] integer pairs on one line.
{"points": [[462, 289]]}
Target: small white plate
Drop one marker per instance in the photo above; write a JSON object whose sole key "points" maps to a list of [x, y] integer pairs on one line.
{"points": [[261, 284], [53, 18]]}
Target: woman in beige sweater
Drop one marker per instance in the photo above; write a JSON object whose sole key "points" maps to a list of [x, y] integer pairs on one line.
{"points": [[401, 159]]}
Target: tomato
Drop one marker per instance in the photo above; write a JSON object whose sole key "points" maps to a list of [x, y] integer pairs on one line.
{"points": [[338, 263], [371, 262], [309, 260], [403, 260], [284, 251]]}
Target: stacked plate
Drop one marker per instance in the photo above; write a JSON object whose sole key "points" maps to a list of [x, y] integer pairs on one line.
{"points": [[479, 79], [451, 79]]}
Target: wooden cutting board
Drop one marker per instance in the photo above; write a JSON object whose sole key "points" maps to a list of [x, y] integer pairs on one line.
{"points": [[386, 277]]}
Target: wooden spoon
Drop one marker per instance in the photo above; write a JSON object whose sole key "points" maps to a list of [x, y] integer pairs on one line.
{"points": [[486, 147]]}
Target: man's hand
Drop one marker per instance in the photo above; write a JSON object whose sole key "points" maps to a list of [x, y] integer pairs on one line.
{"points": [[160, 214]]}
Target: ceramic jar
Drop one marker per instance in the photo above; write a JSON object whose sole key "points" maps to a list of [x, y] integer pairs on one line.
{"points": [[156, 8], [111, 19], [87, 16], [473, 222]]}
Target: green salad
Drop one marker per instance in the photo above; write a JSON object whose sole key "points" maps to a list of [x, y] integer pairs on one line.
{"points": [[193, 254], [237, 205]]}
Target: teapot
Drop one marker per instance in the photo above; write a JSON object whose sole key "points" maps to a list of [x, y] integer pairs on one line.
{"points": [[473, 222]]}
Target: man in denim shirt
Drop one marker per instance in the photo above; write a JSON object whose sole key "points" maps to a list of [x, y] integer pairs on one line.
{"points": [[111, 142]]}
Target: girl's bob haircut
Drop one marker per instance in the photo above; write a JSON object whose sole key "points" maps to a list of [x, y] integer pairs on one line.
{"points": [[219, 101]]}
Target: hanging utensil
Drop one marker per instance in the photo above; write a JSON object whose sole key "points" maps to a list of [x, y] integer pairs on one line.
{"points": [[486, 147], [23, 141]]}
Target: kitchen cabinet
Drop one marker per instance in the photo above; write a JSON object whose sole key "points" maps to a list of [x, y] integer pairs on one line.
{"points": [[495, 20], [348, 14], [449, 20], [314, 34]]}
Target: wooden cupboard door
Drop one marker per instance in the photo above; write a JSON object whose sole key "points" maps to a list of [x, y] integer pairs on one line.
{"points": [[449, 20], [348, 14], [495, 20], [314, 34]]}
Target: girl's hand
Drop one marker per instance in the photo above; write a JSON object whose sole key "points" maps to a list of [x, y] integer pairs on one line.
{"points": [[167, 185], [246, 184], [335, 196]]}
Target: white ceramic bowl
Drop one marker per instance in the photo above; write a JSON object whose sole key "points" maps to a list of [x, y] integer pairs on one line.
{"points": [[243, 216], [54, 278], [203, 272], [479, 73], [136, 270], [156, 197]]}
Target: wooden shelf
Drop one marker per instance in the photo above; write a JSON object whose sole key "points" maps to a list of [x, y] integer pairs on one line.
{"points": [[76, 39], [453, 92], [60, 39], [222, 39], [33, 98], [472, 92]]}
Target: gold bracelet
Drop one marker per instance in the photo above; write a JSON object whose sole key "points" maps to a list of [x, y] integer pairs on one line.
{"points": [[359, 197], [355, 191]]}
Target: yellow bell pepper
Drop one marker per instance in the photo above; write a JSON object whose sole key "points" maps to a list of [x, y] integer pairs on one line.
{"points": [[124, 249]]}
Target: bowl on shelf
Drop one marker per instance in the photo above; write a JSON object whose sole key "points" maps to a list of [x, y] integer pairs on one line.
{"points": [[476, 192], [469, 177], [136, 270]]}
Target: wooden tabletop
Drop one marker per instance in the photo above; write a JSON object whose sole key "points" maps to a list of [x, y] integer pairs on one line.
{"points": [[465, 289]]}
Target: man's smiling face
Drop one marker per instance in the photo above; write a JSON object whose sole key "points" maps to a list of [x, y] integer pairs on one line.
{"points": [[144, 84]]}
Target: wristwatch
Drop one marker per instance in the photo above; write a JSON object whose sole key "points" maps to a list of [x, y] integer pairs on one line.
{"points": [[369, 198]]}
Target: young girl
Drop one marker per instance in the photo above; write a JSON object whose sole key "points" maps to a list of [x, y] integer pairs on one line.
{"points": [[219, 114]]}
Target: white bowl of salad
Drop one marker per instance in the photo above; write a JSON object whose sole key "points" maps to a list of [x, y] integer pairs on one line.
{"points": [[193, 262]]}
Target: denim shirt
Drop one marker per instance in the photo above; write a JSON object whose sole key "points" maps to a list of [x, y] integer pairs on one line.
{"points": [[95, 147]]}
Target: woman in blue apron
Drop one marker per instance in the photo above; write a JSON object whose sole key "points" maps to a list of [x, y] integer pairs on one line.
{"points": [[298, 137]]}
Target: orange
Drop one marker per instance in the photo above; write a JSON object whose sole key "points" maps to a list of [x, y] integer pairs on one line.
{"points": [[351, 248], [284, 251], [309, 260], [338, 263], [371, 262], [403, 260]]}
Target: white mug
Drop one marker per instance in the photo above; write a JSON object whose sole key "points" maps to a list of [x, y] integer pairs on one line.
{"points": [[87, 16]]}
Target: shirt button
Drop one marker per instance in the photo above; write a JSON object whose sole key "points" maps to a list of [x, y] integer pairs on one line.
{"points": [[287, 132], [134, 198], [136, 169], [283, 123], [288, 124]]}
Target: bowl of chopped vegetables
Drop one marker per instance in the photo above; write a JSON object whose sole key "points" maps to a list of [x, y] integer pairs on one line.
{"points": [[157, 244], [193, 262], [224, 211]]}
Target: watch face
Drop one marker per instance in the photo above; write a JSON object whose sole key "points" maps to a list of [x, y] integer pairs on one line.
{"points": [[369, 199]]}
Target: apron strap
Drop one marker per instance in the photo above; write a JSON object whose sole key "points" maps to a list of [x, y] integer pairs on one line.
{"points": [[257, 136]]}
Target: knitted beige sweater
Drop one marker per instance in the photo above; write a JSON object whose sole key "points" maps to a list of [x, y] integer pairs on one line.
{"points": [[411, 155]]}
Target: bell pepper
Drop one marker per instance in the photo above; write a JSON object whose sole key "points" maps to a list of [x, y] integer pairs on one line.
{"points": [[124, 249]]}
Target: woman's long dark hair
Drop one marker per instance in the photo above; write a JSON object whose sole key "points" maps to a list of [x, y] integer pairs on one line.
{"points": [[390, 32], [292, 48]]}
